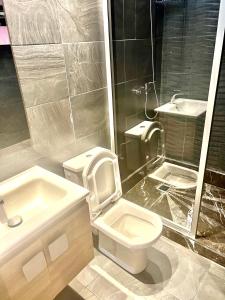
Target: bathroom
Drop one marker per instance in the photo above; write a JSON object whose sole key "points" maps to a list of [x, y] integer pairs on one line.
{"points": [[131, 91]]}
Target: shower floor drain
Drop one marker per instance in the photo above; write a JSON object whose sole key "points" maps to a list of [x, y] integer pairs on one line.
{"points": [[163, 188]]}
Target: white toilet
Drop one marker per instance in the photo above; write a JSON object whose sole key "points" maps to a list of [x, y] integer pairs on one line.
{"points": [[125, 230]]}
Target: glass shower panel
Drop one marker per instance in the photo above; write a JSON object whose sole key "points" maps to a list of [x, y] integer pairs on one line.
{"points": [[162, 55], [211, 223]]}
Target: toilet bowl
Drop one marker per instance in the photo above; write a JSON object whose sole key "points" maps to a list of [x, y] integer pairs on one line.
{"points": [[125, 230]]}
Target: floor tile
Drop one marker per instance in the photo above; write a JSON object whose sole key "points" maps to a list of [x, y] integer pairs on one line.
{"points": [[86, 276], [173, 273], [211, 288]]}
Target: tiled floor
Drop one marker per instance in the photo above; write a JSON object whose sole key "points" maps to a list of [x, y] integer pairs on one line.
{"points": [[177, 205], [173, 273]]}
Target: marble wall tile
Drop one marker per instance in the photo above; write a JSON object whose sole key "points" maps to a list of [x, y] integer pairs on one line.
{"points": [[51, 126], [89, 112], [32, 22], [42, 73], [81, 20], [85, 64], [43, 78]]}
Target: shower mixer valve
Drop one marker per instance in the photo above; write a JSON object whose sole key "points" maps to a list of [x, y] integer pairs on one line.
{"points": [[146, 88]]}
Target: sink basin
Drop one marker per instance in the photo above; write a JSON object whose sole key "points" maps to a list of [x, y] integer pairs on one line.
{"points": [[32, 197], [38, 196], [184, 107]]}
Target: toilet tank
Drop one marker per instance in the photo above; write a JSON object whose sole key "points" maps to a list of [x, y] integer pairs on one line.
{"points": [[73, 168], [134, 145]]}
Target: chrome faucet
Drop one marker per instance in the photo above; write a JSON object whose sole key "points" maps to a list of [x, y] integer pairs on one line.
{"points": [[11, 222], [3, 216], [138, 91], [173, 98], [146, 88]]}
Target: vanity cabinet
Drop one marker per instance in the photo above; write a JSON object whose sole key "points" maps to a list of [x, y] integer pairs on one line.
{"points": [[42, 267]]}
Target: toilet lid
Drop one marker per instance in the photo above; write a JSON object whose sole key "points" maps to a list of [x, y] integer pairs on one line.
{"points": [[101, 177]]}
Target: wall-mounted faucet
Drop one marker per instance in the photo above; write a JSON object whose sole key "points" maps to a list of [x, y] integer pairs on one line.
{"points": [[3, 216], [146, 88], [173, 98], [11, 222], [138, 91]]}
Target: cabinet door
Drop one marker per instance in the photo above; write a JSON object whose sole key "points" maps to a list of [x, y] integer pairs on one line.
{"points": [[4, 295], [73, 229], [16, 283]]}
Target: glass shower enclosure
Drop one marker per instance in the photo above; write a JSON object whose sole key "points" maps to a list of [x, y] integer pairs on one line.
{"points": [[165, 59]]}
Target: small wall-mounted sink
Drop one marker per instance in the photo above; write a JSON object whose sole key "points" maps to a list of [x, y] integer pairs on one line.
{"points": [[184, 107], [38, 197]]}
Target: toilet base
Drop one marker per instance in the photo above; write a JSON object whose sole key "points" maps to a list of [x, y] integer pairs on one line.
{"points": [[133, 261]]}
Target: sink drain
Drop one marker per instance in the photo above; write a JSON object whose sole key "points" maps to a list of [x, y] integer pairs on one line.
{"points": [[15, 221]]}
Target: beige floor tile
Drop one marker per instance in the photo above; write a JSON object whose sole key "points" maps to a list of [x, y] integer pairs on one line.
{"points": [[211, 288]]}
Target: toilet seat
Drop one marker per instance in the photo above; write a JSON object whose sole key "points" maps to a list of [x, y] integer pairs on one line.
{"points": [[102, 165], [126, 223]]}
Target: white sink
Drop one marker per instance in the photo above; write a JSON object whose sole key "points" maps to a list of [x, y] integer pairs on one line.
{"points": [[38, 196], [184, 107]]}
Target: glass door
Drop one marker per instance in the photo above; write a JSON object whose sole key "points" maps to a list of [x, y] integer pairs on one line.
{"points": [[162, 55]]}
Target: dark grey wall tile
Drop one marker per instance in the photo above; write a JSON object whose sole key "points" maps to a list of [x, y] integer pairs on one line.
{"points": [[7, 66], [216, 154], [127, 99], [173, 55], [129, 19], [85, 64], [42, 73], [117, 9], [81, 20], [119, 61], [9, 89], [175, 20], [120, 98], [171, 83], [130, 59], [202, 55], [202, 17], [32, 22], [199, 86], [144, 58], [174, 135], [13, 124], [90, 112], [51, 125], [143, 28]]}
